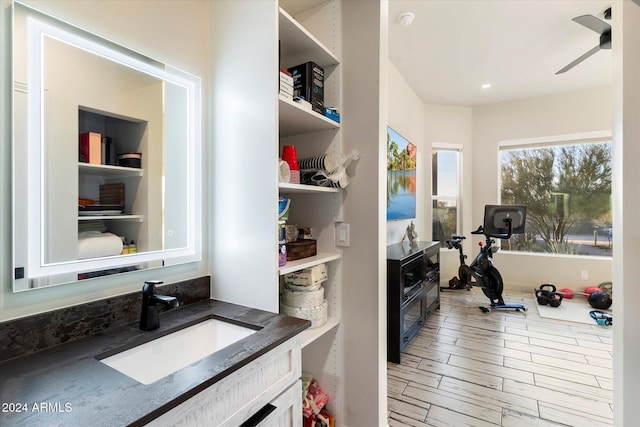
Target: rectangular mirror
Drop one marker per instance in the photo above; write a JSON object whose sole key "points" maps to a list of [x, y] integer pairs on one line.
{"points": [[106, 144]]}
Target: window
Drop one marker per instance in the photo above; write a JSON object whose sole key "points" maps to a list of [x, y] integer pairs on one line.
{"points": [[445, 194], [567, 189]]}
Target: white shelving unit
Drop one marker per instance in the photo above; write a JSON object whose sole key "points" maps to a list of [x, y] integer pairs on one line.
{"points": [[93, 174], [106, 173], [124, 217], [301, 45], [108, 170], [299, 264], [129, 135], [311, 335], [269, 120], [294, 119], [287, 188], [311, 206]]}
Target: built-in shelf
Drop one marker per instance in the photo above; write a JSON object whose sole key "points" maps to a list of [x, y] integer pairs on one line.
{"points": [[133, 218], [287, 188], [295, 119], [298, 45], [108, 170], [310, 335], [299, 264], [312, 205]]}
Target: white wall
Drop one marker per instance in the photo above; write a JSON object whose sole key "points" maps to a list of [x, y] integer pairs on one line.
{"points": [[244, 152], [6, 91], [407, 118], [562, 114], [424, 125], [626, 201], [364, 263], [159, 30], [452, 125]]}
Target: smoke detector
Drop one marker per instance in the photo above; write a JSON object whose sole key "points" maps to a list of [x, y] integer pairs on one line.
{"points": [[405, 19]]}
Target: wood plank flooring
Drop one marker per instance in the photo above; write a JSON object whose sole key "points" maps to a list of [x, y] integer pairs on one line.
{"points": [[505, 368]]}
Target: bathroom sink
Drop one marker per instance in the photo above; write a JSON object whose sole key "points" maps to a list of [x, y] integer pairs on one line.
{"points": [[156, 359]]}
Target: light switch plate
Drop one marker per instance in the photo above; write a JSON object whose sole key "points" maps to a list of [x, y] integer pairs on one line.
{"points": [[343, 234]]}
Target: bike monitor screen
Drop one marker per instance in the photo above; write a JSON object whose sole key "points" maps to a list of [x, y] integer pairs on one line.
{"points": [[495, 215]]}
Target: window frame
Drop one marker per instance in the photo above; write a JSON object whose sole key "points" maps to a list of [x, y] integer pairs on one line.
{"points": [[544, 142], [458, 148]]}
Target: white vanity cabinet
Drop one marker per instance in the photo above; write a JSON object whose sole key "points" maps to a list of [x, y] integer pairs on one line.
{"points": [[269, 386]]}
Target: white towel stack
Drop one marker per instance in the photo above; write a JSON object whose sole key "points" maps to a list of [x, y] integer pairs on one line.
{"points": [[95, 244]]}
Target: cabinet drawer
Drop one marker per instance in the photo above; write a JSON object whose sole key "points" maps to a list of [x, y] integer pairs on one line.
{"points": [[285, 410], [289, 404], [235, 398]]}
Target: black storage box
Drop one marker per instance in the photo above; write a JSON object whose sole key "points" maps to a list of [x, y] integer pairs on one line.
{"points": [[308, 83], [130, 160]]}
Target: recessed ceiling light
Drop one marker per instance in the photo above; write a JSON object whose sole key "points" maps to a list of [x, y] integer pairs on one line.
{"points": [[405, 19], [486, 86]]}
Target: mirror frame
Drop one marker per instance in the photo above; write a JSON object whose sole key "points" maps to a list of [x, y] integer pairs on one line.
{"points": [[39, 25]]}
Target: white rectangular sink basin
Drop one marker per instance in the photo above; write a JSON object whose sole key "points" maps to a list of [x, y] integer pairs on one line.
{"points": [[156, 359]]}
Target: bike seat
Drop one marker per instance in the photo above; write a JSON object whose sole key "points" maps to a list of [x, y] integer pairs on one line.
{"points": [[457, 237]]}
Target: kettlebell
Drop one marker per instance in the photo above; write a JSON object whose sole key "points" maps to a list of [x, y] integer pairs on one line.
{"points": [[542, 296], [547, 294], [555, 299], [548, 287]]}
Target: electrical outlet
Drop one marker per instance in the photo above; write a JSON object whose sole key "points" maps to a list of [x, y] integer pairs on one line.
{"points": [[584, 275]]}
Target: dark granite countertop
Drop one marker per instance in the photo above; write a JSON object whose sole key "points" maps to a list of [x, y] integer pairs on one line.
{"points": [[68, 386]]}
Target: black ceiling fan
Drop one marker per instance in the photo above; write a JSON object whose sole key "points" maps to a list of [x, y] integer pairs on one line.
{"points": [[600, 27]]}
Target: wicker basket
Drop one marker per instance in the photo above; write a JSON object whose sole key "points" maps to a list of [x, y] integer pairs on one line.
{"points": [[301, 248]]}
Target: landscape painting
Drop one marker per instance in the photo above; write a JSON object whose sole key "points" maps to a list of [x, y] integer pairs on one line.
{"points": [[401, 177]]}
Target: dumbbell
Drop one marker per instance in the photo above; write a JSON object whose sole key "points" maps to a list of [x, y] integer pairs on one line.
{"points": [[547, 294]]}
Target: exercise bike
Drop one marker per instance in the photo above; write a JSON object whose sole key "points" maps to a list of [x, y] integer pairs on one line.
{"points": [[500, 222]]}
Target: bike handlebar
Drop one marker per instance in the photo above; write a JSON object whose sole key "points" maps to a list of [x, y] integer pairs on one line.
{"points": [[480, 230], [506, 235], [457, 239]]}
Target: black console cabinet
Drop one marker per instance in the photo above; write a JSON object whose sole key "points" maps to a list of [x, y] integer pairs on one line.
{"points": [[413, 291]]}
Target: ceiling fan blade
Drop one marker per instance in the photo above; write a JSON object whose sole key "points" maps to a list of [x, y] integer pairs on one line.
{"points": [[579, 60], [592, 23]]}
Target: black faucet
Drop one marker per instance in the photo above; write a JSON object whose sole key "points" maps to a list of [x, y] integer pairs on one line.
{"points": [[149, 316]]}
